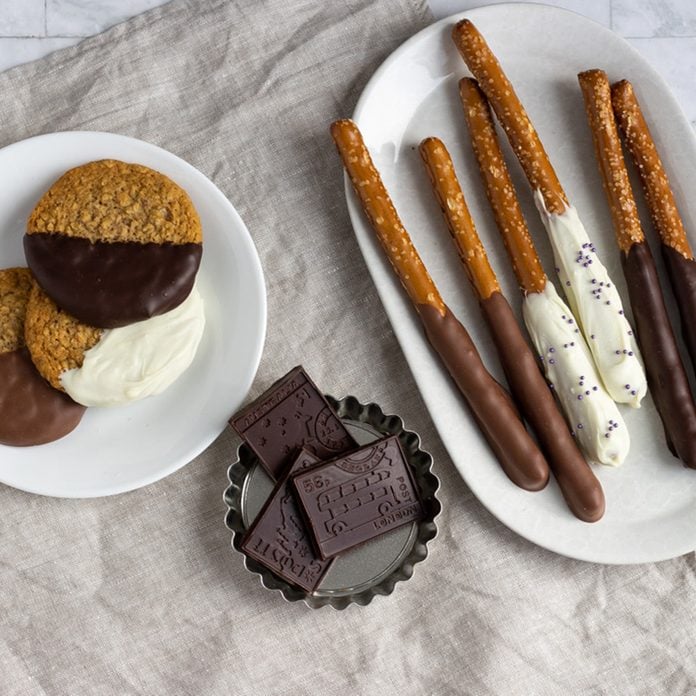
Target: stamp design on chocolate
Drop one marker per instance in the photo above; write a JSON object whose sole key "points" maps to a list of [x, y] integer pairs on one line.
{"points": [[358, 496]]}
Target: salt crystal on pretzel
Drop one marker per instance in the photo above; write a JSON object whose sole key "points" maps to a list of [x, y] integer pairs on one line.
{"points": [[595, 420], [666, 375], [591, 293]]}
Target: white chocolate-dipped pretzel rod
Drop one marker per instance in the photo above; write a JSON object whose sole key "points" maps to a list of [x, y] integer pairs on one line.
{"points": [[568, 365], [591, 294]]}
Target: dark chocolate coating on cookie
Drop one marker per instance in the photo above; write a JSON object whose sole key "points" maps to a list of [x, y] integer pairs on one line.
{"points": [[111, 284], [580, 487], [682, 276], [31, 411], [663, 365], [490, 404]]}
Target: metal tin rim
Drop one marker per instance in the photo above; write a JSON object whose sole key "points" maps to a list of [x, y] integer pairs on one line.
{"points": [[350, 409]]}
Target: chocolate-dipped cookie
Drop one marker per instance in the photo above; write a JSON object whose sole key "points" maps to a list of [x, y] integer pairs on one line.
{"points": [[31, 411], [107, 367], [113, 243]]}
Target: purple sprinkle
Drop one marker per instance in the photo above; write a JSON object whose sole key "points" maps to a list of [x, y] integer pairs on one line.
{"points": [[572, 343], [630, 352], [552, 362], [633, 392], [621, 312], [580, 426], [587, 393], [594, 280], [579, 397], [628, 386], [592, 336], [581, 384], [616, 425], [563, 316], [552, 350], [625, 351], [576, 331], [618, 352], [608, 302], [568, 283], [630, 333], [608, 285], [595, 388], [606, 435]]}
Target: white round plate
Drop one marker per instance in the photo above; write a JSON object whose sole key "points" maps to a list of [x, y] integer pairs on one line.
{"points": [[651, 499], [122, 448]]}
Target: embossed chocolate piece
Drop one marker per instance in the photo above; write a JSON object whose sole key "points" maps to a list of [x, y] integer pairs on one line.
{"points": [[289, 415], [278, 537], [357, 497]]}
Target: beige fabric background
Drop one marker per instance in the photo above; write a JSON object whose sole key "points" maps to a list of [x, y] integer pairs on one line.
{"points": [[140, 593]]}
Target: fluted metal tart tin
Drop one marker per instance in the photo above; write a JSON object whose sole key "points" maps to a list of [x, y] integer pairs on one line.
{"points": [[372, 569]]}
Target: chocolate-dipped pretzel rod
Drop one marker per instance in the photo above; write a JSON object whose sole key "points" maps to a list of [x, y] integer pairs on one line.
{"points": [[579, 268], [578, 484], [676, 250], [594, 418], [491, 405], [666, 375]]}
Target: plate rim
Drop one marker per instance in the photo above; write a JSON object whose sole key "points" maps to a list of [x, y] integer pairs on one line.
{"points": [[260, 291], [355, 214]]}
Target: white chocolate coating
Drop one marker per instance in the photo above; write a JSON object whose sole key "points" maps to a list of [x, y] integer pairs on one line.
{"points": [[593, 416], [138, 360], [596, 303]]}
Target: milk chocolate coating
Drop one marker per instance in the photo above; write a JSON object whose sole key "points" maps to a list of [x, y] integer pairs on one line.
{"points": [[682, 276], [31, 411], [666, 375], [111, 284], [491, 405], [579, 486]]}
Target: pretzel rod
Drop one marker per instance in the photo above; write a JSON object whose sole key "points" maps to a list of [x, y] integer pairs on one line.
{"points": [[666, 374], [676, 250], [578, 484], [449, 195], [499, 188], [658, 193], [566, 358], [492, 407], [523, 137], [624, 214]]}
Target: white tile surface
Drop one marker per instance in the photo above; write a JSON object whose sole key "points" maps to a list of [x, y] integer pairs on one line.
{"points": [[17, 51], [22, 18], [647, 18], [86, 17], [599, 10]]}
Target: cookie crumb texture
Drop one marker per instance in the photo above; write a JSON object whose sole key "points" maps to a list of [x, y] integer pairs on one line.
{"points": [[15, 286], [56, 340], [113, 201]]}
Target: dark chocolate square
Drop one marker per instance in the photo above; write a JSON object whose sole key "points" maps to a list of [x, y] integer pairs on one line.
{"points": [[358, 496], [278, 538], [291, 414]]}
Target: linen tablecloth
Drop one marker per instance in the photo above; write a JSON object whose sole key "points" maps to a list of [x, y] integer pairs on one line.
{"points": [[141, 593]]}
